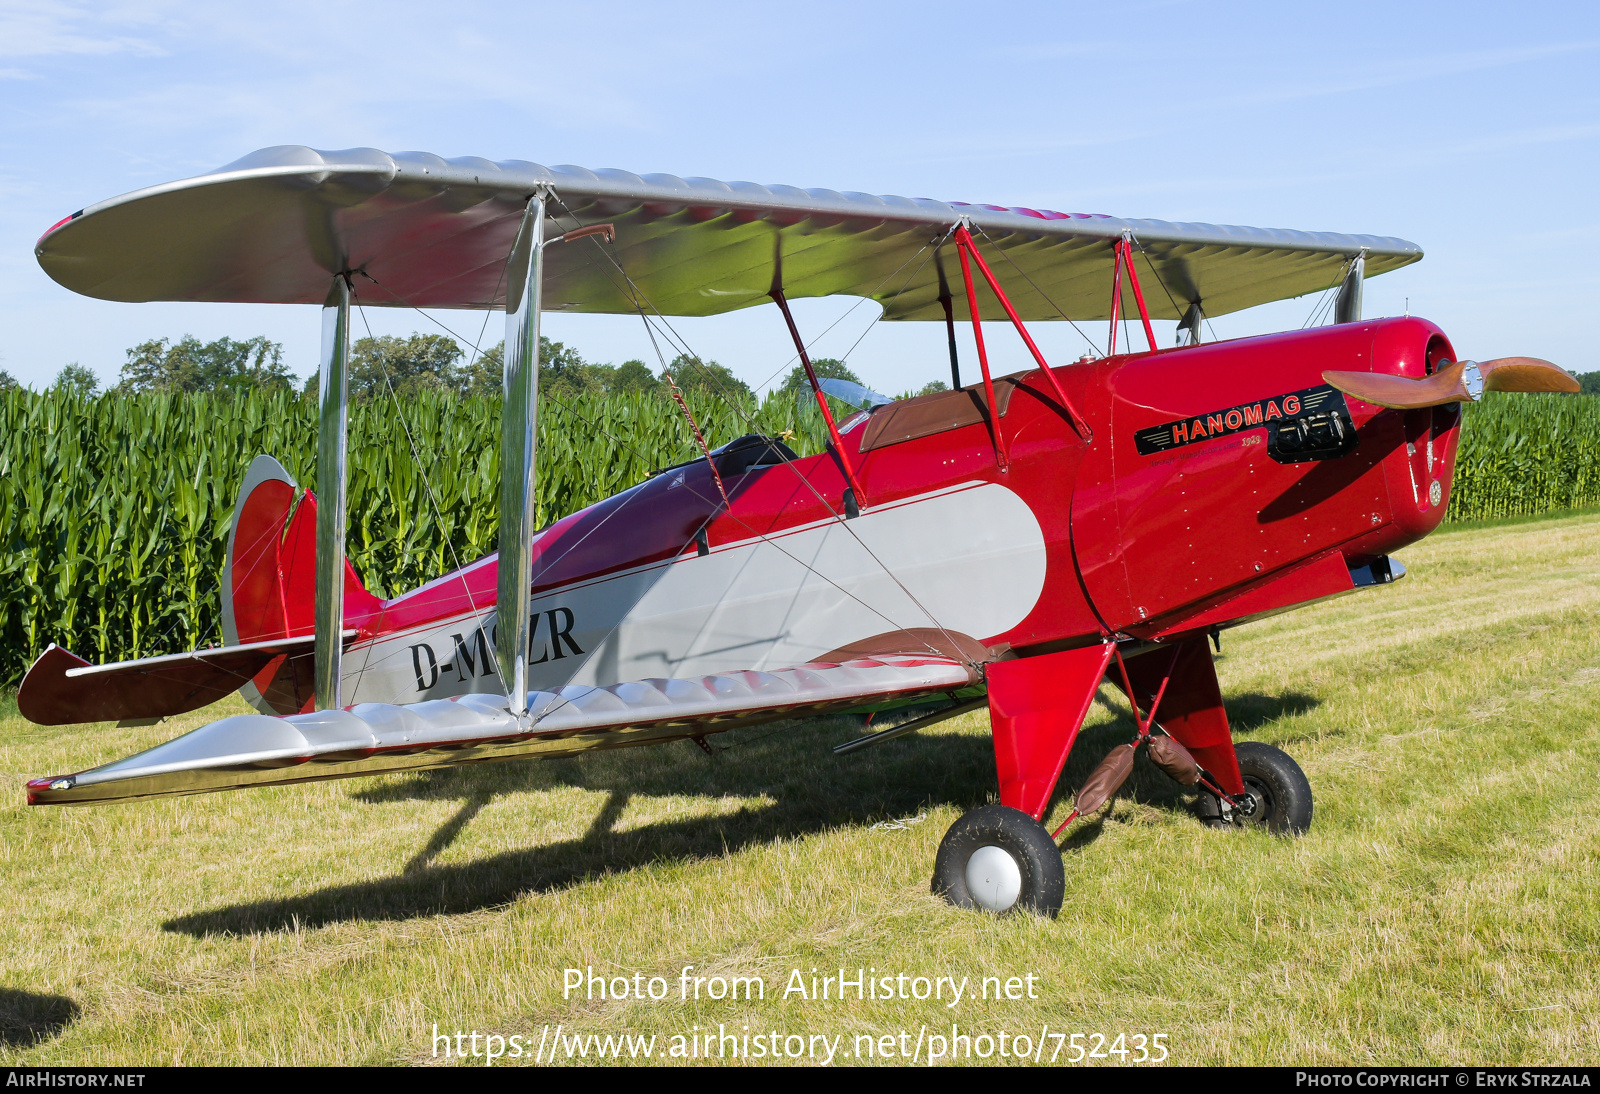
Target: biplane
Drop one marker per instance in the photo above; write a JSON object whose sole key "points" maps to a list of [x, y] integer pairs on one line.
{"points": [[1009, 543]]}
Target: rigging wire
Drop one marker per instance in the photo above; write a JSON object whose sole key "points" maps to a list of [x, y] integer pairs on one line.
{"points": [[1326, 298], [1151, 262], [427, 482], [639, 299], [711, 503], [1042, 294]]}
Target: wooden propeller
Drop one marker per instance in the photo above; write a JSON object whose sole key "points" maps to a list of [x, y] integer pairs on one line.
{"points": [[1461, 382]]}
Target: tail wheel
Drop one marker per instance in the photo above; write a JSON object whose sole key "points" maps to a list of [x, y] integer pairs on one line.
{"points": [[1000, 860], [1280, 791]]}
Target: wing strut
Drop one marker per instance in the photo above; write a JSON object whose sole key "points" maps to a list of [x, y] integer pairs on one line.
{"points": [[1347, 306], [950, 333], [1124, 261], [963, 242], [965, 246], [519, 419], [776, 293], [949, 320], [332, 449], [519, 434]]}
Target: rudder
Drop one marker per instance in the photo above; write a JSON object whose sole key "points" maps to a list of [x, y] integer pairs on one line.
{"points": [[269, 582]]}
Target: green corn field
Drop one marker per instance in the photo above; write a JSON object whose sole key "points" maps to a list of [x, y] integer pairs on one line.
{"points": [[1527, 454], [114, 511]]}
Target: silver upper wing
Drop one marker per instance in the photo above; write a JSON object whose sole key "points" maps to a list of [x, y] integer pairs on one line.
{"points": [[431, 232]]}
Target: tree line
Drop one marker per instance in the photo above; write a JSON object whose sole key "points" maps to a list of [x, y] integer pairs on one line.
{"points": [[406, 366]]}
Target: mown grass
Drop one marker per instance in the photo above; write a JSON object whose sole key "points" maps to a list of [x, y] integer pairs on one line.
{"points": [[1441, 910]]}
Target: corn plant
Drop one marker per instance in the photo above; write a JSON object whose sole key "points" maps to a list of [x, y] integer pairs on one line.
{"points": [[114, 511]]}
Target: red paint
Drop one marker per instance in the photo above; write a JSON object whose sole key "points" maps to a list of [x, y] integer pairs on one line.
{"points": [[965, 243], [983, 360], [1116, 298], [1036, 706], [1138, 293], [1159, 546], [1191, 706], [816, 389]]}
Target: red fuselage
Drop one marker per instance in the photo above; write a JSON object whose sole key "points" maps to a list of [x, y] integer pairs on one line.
{"points": [[1181, 511]]}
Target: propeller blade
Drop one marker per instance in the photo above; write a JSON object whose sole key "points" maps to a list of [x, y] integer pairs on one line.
{"points": [[1104, 781], [1526, 374], [1461, 382], [1403, 392]]}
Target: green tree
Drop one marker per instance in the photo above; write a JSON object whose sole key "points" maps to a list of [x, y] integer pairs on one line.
{"points": [[707, 378], [563, 373], [1589, 383], [826, 368], [220, 366], [8, 382], [253, 364], [421, 362], [76, 377], [632, 376]]}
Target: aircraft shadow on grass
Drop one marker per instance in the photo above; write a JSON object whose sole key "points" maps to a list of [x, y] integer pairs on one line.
{"points": [[789, 763], [28, 1017]]}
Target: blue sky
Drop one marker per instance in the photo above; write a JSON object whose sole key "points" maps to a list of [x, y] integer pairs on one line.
{"points": [[1471, 129]]}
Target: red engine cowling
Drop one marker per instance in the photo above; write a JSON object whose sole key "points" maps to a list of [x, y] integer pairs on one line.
{"points": [[1233, 464]]}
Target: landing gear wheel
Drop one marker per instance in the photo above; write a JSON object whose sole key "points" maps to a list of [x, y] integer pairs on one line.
{"points": [[1000, 860], [1280, 794]]}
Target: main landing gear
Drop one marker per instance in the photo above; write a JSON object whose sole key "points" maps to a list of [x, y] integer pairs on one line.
{"points": [[1277, 794], [1000, 858]]}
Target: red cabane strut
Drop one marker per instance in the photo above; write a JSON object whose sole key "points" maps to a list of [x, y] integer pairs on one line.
{"points": [[1124, 260], [964, 247]]}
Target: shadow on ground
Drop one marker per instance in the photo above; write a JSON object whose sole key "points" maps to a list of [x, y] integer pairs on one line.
{"points": [[789, 764], [28, 1017]]}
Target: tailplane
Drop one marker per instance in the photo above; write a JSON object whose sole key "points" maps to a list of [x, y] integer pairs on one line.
{"points": [[268, 600]]}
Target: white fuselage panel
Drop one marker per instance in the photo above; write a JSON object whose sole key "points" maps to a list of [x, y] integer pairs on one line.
{"points": [[970, 560]]}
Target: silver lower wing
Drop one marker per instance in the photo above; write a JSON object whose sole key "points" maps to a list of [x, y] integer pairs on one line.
{"points": [[375, 738]]}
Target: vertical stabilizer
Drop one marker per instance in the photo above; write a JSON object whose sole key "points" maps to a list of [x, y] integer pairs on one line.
{"points": [[269, 583]]}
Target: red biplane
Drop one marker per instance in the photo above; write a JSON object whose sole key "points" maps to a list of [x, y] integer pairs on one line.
{"points": [[1010, 542]]}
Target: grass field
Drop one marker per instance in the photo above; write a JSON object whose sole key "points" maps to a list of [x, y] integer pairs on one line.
{"points": [[1443, 908]]}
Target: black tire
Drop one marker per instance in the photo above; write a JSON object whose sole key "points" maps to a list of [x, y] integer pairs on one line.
{"points": [[1208, 807], [1281, 789], [1009, 840]]}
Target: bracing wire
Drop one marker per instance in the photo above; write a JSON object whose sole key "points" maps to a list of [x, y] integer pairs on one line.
{"points": [[742, 523], [1326, 298], [433, 501], [640, 300], [1042, 294]]}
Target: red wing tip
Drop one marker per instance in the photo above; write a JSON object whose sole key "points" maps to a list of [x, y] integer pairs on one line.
{"points": [[37, 787], [59, 223]]}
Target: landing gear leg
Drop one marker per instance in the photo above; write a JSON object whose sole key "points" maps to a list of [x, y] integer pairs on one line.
{"points": [[1277, 794], [1001, 860]]}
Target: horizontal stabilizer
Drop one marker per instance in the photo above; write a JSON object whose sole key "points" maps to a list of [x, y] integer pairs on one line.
{"points": [[373, 738], [62, 688]]}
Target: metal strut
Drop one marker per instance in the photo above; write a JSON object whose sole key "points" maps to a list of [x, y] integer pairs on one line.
{"points": [[333, 391], [827, 415], [965, 246], [519, 432], [1124, 260], [950, 333]]}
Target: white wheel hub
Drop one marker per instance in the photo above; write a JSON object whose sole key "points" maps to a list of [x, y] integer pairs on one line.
{"points": [[994, 880]]}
